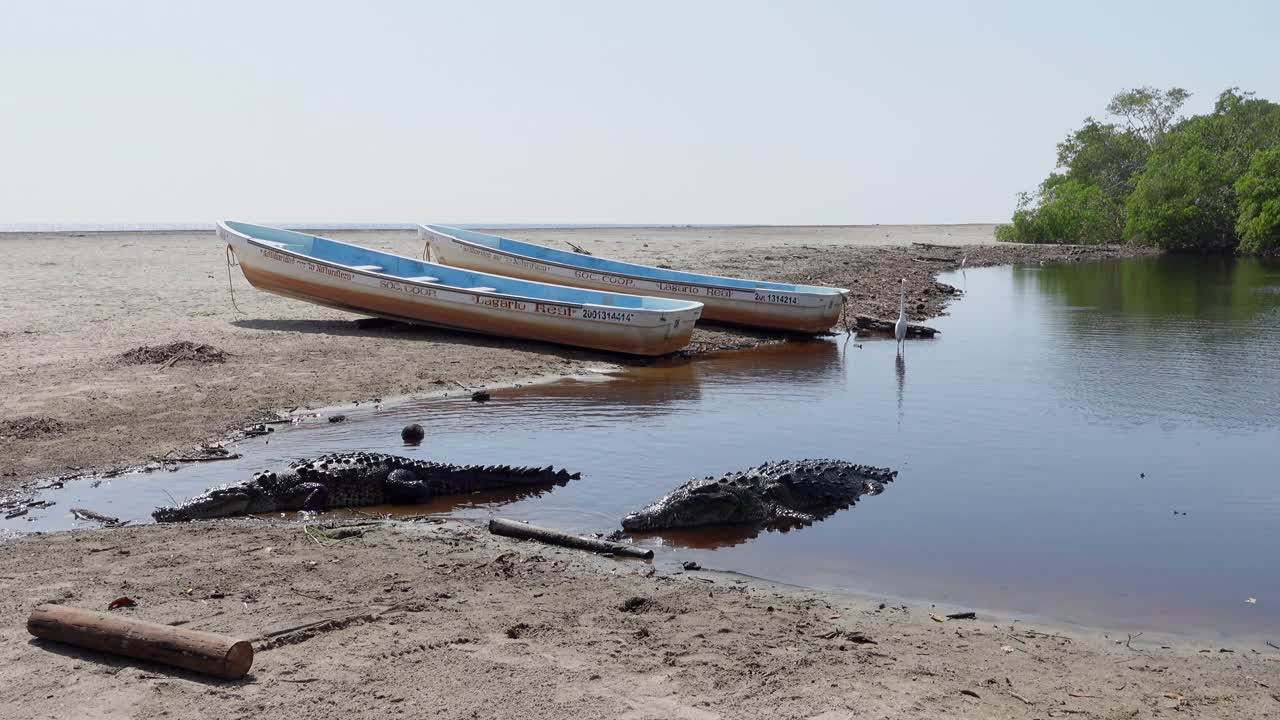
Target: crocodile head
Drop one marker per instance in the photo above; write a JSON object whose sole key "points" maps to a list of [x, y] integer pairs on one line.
{"points": [[218, 502], [264, 493], [706, 502]]}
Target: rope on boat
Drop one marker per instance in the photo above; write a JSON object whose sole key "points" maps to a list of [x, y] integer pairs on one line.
{"points": [[232, 262], [844, 314]]}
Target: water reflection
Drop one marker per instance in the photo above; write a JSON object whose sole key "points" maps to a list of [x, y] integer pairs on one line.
{"points": [[1222, 289], [806, 362], [488, 499], [708, 538], [1169, 339], [900, 371]]}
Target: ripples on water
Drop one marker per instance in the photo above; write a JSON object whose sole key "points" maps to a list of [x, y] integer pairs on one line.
{"points": [[1044, 443]]}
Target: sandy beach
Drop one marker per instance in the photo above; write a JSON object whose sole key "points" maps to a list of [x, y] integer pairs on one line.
{"points": [[442, 619], [435, 617]]}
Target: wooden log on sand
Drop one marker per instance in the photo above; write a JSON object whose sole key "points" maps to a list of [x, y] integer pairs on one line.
{"points": [[868, 325], [201, 652], [525, 531]]}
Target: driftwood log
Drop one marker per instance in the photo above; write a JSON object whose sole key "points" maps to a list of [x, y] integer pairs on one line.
{"points": [[868, 325], [525, 531], [194, 650]]}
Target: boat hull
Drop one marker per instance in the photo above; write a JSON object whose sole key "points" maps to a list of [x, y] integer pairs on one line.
{"points": [[791, 312], [549, 321]]}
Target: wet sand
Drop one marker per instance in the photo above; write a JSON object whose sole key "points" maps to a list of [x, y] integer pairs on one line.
{"points": [[441, 619]]}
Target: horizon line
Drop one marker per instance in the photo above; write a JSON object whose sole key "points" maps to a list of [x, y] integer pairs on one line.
{"points": [[54, 228]]}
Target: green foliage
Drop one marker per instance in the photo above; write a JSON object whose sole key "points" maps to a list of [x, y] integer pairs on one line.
{"points": [[1065, 211], [1099, 165], [1183, 199], [1208, 183], [1148, 110], [1186, 197], [1258, 193], [1106, 156]]}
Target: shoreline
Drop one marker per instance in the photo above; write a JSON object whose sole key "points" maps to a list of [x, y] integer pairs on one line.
{"points": [[440, 617], [53, 229], [92, 410]]}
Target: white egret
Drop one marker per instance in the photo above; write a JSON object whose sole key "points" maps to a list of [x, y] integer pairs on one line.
{"points": [[900, 327]]}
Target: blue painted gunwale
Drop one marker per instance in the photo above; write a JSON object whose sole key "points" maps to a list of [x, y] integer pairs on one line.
{"points": [[567, 259], [348, 257]]}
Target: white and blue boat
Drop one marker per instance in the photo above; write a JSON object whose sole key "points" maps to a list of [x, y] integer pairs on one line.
{"points": [[368, 282], [778, 306]]}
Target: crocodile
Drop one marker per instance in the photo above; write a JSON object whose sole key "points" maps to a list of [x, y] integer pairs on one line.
{"points": [[354, 479], [776, 495]]}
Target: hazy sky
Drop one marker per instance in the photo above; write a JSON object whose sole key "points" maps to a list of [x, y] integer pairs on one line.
{"points": [[618, 112]]}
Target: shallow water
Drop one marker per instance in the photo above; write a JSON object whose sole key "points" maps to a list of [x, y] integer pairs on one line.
{"points": [[1044, 442]]}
